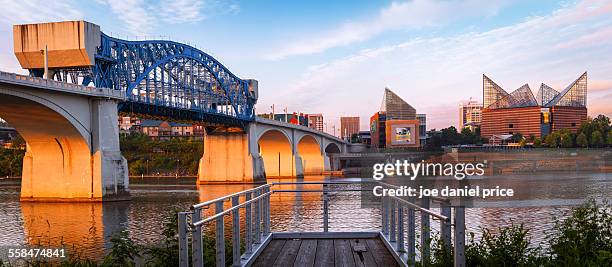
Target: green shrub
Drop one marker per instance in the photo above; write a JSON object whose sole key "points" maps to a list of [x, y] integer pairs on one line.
{"points": [[584, 238]]}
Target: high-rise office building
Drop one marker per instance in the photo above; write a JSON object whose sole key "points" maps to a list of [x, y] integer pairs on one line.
{"points": [[470, 115], [348, 127], [315, 121]]}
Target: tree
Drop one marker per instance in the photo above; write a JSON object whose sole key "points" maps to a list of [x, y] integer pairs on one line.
{"points": [[567, 139], [517, 137], [596, 139], [552, 140], [609, 138], [582, 140], [537, 142]]}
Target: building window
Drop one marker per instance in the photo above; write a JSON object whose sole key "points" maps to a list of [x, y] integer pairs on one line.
{"points": [[510, 125], [573, 124]]}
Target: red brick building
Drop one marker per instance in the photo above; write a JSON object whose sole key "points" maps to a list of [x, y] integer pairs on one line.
{"points": [[521, 112]]}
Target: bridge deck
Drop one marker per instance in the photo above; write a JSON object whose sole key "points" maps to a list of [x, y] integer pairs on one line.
{"points": [[326, 252]]}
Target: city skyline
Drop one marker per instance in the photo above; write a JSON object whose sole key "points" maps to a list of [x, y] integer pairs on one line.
{"points": [[320, 55]]}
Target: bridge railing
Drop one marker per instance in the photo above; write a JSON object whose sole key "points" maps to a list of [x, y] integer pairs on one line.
{"points": [[397, 223], [59, 86]]}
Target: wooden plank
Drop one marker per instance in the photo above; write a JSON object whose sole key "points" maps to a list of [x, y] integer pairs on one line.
{"points": [[307, 253], [381, 255], [325, 253], [270, 253], [343, 254], [288, 253], [362, 255]]}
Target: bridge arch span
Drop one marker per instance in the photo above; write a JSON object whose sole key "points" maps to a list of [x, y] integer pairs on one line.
{"points": [[309, 149], [275, 148], [56, 148], [71, 152], [332, 162]]}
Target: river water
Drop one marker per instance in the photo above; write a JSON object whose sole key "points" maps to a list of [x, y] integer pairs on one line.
{"points": [[88, 226]]}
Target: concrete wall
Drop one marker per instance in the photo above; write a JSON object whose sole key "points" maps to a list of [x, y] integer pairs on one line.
{"points": [[70, 44], [227, 159]]}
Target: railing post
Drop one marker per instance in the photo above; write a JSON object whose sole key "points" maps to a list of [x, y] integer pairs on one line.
{"points": [[183, 246], [248, 233], [257, 237], [236, 232], [197, 258], [266, 212], [392, 224], [325, 209], [400, 228], [384, 211], [445, 226], [219, 235], [425, 231], [411, 237], [459, 237]]}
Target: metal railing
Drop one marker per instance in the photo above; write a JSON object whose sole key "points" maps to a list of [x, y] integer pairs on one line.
{"points": [[257, 232], [393, 227]]}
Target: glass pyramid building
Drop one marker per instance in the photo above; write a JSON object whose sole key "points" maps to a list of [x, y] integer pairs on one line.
{"points": [[395, 108], [574, 95]]}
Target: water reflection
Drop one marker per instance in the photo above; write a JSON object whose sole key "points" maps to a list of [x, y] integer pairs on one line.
{"points": [[86, 225], [89, 226]]}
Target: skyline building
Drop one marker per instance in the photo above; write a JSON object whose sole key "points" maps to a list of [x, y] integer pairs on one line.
{"points": [[348, 127], [470, 115], [315, 121], [395, 124], [521, 112], [422, 128], [396, 108]]}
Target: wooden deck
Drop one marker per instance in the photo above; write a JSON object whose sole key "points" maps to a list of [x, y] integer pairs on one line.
{"points": [[325, 252]]}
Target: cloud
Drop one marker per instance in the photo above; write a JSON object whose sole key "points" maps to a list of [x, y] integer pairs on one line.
{"points": [[136, 14], [399, 15], [437, 72], [31, 11], [143, 16]]}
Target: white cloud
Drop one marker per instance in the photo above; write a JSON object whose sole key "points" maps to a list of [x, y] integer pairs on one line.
{"points": [[142, 16], [181, 11], [399, 15], [136, 14], [29, 11], [434, 74]]}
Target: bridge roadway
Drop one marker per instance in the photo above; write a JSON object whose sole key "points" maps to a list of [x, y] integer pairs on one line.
{"points": [[73, 151]]}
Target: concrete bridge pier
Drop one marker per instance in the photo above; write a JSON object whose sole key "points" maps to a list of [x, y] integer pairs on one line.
{"points": [[228, 159]]}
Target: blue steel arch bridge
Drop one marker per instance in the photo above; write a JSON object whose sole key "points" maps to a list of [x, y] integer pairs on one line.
{"points": [[162, 78]]}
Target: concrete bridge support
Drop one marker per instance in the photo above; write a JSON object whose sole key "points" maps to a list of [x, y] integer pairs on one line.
{"points": [[227, 159], [72, 144], [267, 149]]}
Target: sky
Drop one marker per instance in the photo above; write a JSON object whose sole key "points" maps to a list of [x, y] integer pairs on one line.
{"points": [[337, 57]]}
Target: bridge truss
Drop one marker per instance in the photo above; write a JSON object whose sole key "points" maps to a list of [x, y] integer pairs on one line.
{"points": [[170, 79]]}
